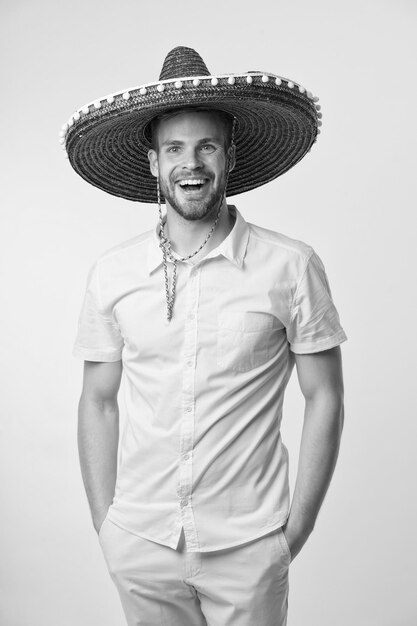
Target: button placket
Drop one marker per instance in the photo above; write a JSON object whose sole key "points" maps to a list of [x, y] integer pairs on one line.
{"points": [[188, 402]]}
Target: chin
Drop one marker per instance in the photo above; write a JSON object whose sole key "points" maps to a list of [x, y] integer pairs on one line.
{"points": [[194, 214], [197, 209]]}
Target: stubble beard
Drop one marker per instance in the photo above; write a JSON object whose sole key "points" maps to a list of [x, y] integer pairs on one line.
{"points": [[193, 210]]}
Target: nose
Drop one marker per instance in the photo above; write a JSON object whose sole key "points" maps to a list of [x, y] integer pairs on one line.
{"points": [[192, 160]]}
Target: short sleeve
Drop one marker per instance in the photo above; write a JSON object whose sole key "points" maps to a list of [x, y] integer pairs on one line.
{"points": [[98, 337], [314, 323]]}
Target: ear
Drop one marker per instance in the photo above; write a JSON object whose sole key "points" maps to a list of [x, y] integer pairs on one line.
{"points": [[153, 162], [232, 157]]}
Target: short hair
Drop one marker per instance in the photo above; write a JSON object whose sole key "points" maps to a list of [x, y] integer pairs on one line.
{"points": [[226, 120]]}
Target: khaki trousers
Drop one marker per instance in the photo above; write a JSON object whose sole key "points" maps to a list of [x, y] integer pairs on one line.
{"points": [[246, 585]]}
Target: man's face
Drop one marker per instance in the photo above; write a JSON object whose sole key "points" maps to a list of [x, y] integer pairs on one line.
{"points": [[191, 160]]}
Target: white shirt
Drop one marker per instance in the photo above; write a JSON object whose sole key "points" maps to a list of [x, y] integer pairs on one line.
{"points": [[202, 448]]}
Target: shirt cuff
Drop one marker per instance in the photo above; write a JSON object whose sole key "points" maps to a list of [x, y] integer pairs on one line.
{"points": [[321, 344], [87, 354]]}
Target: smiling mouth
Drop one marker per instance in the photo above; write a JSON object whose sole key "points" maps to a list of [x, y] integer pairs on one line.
{"points": [[192, 184]]}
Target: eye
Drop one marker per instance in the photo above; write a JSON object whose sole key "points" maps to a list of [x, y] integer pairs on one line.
{"points": [[173, 149], [207, 147]]}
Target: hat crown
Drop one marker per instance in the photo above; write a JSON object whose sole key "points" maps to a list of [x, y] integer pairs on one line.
{"points": [[182, 61]]}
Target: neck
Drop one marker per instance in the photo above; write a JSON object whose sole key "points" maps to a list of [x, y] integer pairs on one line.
{"points": [[187, 235]]}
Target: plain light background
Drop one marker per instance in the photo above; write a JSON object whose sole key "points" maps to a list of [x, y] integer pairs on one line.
{"points": [[353, 198]]}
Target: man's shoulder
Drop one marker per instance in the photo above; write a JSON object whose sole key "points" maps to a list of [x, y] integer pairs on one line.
{"points": [[279, 241], [135, 246]]}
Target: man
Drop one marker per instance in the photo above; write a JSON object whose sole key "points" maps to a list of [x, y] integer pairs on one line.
{"points": [[206, 318]]}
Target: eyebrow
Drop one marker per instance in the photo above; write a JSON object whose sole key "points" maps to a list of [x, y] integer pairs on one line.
{"points": [[210, 140], [178, 142], [172, 142]]}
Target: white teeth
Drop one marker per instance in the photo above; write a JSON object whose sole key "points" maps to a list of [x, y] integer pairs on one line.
{"points": [[191, 181]]}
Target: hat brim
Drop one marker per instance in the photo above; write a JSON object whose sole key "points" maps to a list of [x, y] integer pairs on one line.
{"points": [[276, 125]]}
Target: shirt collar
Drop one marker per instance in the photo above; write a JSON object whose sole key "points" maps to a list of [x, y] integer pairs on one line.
{"points": [[233, 247]]}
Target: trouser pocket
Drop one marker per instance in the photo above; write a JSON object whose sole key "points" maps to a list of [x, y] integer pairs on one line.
{"points": [[283, 545]]}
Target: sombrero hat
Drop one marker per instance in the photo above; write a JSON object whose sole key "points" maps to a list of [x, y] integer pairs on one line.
{"points": [[277, 122]]}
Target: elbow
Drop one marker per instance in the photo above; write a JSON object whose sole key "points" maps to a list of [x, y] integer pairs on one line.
{"points": [[91, 404], [326, 408], [336, 409], [341, 420]]}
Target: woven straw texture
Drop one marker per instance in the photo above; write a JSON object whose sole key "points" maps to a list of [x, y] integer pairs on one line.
{"points": [[275, 127], [183, 61]]}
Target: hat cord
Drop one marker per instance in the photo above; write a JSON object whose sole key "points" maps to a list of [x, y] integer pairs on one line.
{"points": [[166, 246]]}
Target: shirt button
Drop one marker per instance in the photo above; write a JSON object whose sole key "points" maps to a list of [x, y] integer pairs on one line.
{"points": [[188, 409], [186, 457], [184, 502]]}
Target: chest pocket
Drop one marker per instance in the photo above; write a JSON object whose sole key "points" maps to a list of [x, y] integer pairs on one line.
{"points": [[244, 339]]}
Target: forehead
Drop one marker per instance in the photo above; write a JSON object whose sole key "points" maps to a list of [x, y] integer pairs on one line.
{"points": [[190, 124]]}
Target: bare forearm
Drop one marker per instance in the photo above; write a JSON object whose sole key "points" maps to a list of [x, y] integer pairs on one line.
{"points": [[323, 423], [98, 434]]}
